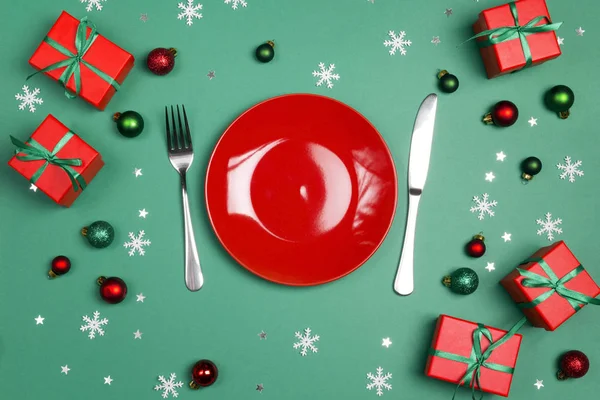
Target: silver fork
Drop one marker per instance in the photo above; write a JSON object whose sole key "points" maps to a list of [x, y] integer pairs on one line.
{"points": [[181, 155]]}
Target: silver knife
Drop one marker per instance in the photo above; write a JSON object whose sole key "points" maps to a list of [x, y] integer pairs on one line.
{"points": [[418, 165]]}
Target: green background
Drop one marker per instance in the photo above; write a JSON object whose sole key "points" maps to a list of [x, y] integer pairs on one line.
{"points": [[221, 322]]}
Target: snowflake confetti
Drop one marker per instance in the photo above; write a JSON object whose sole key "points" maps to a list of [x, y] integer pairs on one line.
{"points": [[306, 342], [326, 75], [483, 206], [93, 3], [570, 169], [379, 381], [189, 11], [549, 226], [137, 243], [29, 99], [168, 386], [94, 325], [235, 3], [398, 42]]}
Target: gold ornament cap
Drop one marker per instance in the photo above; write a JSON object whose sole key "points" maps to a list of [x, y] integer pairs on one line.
{"points": [[173, 51], [101, 280], [479, 236], [194, 385], [271, 43], [442, 73], [116, 116], [447, 281], [564, 114], [51, 274], [526, 177], [487, 118]]}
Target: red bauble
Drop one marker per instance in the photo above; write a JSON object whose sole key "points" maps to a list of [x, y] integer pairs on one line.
{"points": [[204, 373], [161, 61], [476, 247], [573, 364], [504, 113], [113, 290], [60, 266]]}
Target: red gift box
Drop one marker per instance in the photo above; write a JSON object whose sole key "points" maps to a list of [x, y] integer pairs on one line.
{"points": [[101, 58], [509, 56], [554, 310], [453, 338], [54, 181]]}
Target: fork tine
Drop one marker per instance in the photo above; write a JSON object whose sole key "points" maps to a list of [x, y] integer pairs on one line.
{"points": [[188, 136], [169, 143], [175, 140], [181, 133]]}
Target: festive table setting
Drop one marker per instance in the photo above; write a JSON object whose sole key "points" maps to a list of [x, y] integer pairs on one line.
{"points": [[265, 199]]}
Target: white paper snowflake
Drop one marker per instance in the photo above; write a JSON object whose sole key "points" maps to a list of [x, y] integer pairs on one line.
{"points": [[570, 169], [379, 381], [93, 325], [483, 206], [28, 99], [189, 11], [168, 386], [93, 3], [549, 226], [234, 3], [136, 243], [397, 43], [326, 75], [306, 342]]}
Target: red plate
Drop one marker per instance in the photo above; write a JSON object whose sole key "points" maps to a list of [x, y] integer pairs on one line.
{"points": [[301, 189]]}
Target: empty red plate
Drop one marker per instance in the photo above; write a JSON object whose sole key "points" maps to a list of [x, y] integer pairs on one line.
{"points": [[301, 189]]}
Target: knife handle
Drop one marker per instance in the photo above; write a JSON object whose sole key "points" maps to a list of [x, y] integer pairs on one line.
{"points": [[404, 282]]}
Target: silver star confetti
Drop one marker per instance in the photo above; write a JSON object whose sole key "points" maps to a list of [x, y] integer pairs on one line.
{"points": [[143, 17], [448, 12], [262, 335], [580, 31], [436, 40], [211, 75], [260, 387]]}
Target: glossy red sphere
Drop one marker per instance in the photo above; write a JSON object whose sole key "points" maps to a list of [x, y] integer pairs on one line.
{"points": [[204, 373], [505, 113], [113, 290], [161, 61], [574, 364], [60, 265], [475, 248]]}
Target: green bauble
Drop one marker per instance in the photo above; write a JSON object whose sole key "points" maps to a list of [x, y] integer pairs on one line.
{"points": [[531, 166], [560, 99], [100, 234], [462, 281], [265, 52], [448, 82], [130, 123]]}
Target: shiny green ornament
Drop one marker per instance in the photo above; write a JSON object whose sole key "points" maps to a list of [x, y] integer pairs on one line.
{"points": [[265, 52], [530, 166], [100, 234], [462, 281], [448, 82], [130, 123], [560, 99]]}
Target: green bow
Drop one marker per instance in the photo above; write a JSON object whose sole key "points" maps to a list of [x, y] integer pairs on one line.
{"points": [[507, 33], [35, 152], [74, 61], [478, 358], [533, 280]]}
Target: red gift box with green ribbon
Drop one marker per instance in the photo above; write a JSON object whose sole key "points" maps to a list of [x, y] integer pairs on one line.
{"points": [[84, 62], [470, 354], [551, 286], [516, 35], [57, 161]]}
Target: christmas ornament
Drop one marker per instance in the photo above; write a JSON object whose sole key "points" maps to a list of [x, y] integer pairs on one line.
{"points": [[504, 113], [462, 281], [448, 83], [560, 99], [113, 290], [130, 123], [265, 52], [100, 234], [161, 61], [530, 166], [476, 247], [204, 373], [60, 265], [573, 364]]}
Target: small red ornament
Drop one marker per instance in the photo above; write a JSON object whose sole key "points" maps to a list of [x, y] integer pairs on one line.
{"points": [[161, 61], [204, 373], [476, 247], [60, 266], [113, 290], [504, 113], [573, 364]]}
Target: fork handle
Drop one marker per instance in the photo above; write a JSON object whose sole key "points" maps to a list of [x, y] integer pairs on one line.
{"points": [[193, 273]]}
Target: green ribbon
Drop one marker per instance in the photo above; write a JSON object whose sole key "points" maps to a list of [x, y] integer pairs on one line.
{"points": [[34, 152], [533, 280], [507, 33], [74, 60], [478, 359]]}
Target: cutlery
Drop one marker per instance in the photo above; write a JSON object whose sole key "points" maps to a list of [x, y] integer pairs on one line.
{"points": [[181, 155], [418, 165]]}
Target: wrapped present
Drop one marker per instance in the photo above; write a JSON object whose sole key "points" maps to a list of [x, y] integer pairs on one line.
{"points": [[468, 353], [57, 161], [516, 35], [551, 286], [83, 61]]}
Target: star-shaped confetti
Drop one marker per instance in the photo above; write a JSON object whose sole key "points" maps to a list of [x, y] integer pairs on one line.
{"points": [[39, 320], [580, 31], [137, 334], [539, 384], [143, 213], [262, 335], [260, 387], [137, 172], [211, 75], [561, 41], [532, 121], [490, 267], [436, 40], [448, 12], [140, 297], [489, 176], [506, 237], [108, 380], [33, 187], [143, 17], [386, 342], [65, 370], [500, 156]]}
